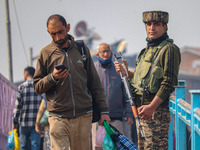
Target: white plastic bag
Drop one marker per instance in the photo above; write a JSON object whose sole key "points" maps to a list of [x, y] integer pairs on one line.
{"points": [[101, 132]]}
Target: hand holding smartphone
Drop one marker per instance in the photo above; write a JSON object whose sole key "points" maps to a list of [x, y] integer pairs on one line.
{"points": [[61, 66], [60, 74]]}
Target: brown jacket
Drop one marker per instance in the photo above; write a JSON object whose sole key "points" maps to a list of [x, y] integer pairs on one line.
{"points": [[61, 99]]}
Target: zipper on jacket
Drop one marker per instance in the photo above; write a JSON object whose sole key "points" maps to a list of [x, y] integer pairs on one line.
{"points": [[71, 87]]}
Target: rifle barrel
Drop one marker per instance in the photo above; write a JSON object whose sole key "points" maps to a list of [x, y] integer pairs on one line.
{"points": [[140, 127], [127, 87]]}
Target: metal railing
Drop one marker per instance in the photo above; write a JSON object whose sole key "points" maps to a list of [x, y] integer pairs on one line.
{"points": [[185, 114], [7, 101]]}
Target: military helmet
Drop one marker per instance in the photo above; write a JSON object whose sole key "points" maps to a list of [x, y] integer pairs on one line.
{"points": [[157, 16]]}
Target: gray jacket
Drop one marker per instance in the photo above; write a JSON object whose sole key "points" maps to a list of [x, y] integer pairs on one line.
{"points": [[116, 96]]}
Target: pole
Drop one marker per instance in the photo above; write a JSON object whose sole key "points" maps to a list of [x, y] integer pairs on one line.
{"points": [[31, 56], [8, 29]]}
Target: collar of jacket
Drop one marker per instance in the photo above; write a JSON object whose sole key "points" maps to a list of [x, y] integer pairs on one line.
{"points": [[108, 65], [56, 47], [157, 41]]}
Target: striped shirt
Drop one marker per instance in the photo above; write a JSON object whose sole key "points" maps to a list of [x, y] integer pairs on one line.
{"points": [[26, 105]]}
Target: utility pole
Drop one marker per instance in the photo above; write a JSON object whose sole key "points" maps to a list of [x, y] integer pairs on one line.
{"points": [[31, 57], [9, 41]]}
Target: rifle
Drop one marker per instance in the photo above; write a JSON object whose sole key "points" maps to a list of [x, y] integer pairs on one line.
{"points": [[129, 93]]}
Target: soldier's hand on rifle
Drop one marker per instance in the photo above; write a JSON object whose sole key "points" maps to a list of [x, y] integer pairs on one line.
{"points": [[145, 111], [119, 67]]}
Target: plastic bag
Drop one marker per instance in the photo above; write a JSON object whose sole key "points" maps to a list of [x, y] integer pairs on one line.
{"points": [[121, 142], [11, 140], [44, 119], [101, 132], [17, 145], [108, 143]]}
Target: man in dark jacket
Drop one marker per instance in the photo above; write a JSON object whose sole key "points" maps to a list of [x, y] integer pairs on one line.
{"points": [[68, 91], [117, 99]]}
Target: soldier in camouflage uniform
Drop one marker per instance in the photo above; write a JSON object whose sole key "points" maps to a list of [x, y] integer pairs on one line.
{"points": [[154, 79]]}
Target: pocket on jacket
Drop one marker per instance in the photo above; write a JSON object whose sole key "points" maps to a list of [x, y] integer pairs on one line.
{"points": [[144, 69], [155, 79]]}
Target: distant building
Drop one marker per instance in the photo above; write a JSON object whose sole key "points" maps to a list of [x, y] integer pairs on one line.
{"points": [[190, 69], [190, 61]]}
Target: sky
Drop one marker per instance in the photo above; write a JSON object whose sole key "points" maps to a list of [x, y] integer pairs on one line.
{"points": [[111, 19]]}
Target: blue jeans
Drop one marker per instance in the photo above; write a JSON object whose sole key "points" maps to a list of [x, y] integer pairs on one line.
{"points": [[29, 137]]}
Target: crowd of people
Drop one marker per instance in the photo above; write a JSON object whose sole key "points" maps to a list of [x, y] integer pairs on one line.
{"points": [[71, 94]]}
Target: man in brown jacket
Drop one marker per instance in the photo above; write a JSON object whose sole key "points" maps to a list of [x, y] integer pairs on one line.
{"points": [[68, 91]]}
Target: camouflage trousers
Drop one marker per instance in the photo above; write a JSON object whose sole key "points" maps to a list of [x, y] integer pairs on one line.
{"points": [[155, 131]]}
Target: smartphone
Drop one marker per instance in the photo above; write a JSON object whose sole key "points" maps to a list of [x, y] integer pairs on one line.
{"points": [[61, 66]]}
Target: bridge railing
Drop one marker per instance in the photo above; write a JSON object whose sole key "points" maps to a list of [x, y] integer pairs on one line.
{"points": [[7, 102], [185, 114]]}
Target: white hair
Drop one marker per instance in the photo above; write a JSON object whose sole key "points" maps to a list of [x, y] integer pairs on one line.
{"points": [[97, 49]]}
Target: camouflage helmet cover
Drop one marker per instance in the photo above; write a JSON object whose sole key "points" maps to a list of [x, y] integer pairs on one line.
{"points": [[157, 16]]}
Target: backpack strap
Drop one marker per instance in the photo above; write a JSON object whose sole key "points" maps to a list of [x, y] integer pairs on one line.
{"points": [[81, 47], [96, 112]]}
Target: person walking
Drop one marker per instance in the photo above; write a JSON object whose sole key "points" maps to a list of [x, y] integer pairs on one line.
{"points": [[42, 124], [69, 92], [25, 112], [117, 99]]}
